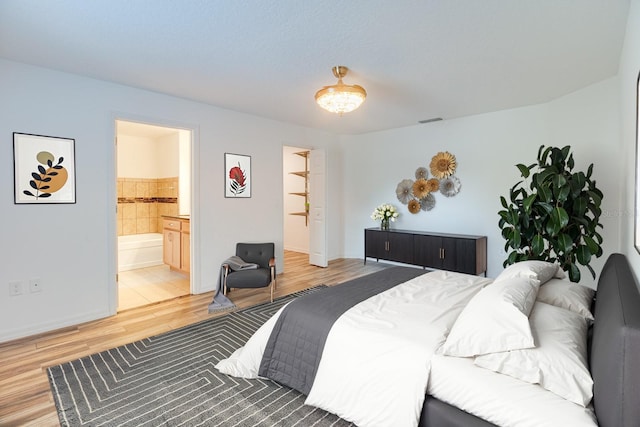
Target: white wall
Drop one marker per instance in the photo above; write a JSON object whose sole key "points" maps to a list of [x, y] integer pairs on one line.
{"points": [[628, 75], [487, 148], [145, 157], [296, 229], [72, 247], [184, 182], [130, 151], [167, 156]]}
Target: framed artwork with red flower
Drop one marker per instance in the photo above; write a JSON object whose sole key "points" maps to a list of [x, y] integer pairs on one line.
{"points": [[237, 176]]}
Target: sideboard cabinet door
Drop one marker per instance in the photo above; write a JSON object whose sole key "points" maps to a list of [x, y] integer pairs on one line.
{"points": [[436, 252], [388, 245], [427, 250], [375, 244], [400, 247], [471, 255]]}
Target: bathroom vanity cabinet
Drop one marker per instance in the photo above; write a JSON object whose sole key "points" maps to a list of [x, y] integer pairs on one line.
{"points": [[176, 233]]}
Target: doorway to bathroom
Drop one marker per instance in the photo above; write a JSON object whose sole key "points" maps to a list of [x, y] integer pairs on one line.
{"points": [[153, 171]]}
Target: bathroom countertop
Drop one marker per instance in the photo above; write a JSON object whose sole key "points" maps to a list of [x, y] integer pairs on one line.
{"points": [[183, 217]]}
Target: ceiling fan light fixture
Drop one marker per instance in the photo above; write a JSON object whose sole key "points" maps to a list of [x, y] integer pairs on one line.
{"points": [[340, 98]]}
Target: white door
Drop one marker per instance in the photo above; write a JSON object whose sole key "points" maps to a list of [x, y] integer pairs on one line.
{"points": [[317, 208]]}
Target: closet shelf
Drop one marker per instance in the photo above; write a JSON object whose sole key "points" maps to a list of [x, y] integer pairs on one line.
{"points": [[304, 174]]}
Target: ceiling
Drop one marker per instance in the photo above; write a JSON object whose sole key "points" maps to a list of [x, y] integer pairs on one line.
{"points": [[417, 59]]}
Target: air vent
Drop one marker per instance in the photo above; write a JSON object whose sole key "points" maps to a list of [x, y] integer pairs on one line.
{"points": [[435, 119]]}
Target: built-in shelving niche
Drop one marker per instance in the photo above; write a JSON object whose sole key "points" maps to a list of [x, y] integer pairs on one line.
{"points": [[303, 174]]}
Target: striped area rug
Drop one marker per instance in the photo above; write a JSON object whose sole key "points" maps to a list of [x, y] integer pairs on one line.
{"points": [[170, 380]]}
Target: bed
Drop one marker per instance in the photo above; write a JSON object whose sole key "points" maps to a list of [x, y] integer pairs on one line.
{"points": [[401, 347]]}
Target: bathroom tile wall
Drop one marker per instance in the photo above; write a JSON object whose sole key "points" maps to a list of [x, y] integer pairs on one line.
{"points": [[143, 201]]}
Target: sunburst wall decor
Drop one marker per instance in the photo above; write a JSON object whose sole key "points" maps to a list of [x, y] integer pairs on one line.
{"points": [[418, 194]]}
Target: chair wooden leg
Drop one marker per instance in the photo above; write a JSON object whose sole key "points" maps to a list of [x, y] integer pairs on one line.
{"points": [[224, 286], [274, 278], [272, 285]]}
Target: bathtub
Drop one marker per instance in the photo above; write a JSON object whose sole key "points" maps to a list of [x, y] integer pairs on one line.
{"points": [[139, 251]]}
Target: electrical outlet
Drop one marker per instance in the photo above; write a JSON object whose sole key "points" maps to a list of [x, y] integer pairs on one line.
{"points": [[15, 288], [35, 284]]}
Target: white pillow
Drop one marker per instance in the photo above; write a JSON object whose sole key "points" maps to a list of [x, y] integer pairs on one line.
{"points": [[560, 274], [567, 295], [559, 363], [495, 319], [541, 270]]}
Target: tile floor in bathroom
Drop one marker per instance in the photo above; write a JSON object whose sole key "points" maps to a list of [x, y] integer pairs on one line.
{"points": [[149, 285]]}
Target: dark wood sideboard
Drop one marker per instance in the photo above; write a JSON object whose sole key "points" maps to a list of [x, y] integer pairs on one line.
{"points": [[452, 252]]}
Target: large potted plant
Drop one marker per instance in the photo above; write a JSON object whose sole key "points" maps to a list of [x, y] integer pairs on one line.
{"points": [[553, 214]]}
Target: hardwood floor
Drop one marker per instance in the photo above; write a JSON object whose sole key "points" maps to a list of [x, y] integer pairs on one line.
{"points": [[25, 397]]}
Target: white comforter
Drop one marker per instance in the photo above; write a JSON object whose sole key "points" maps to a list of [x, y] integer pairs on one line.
{"points": [[375, 365]]}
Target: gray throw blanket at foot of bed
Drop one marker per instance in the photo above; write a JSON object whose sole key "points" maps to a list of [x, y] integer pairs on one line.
{"points": [[294, 349]]}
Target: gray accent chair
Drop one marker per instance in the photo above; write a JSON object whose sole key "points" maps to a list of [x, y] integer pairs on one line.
{"points": [[262, 254]]}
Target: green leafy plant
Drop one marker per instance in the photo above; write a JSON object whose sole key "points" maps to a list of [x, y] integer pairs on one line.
{"points": [[555, 216]]}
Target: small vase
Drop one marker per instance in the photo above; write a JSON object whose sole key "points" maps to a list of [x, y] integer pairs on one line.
{"points": [[384, 224]]}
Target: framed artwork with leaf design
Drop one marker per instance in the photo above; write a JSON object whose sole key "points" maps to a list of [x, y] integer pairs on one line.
{"points": [[237, 176], [44, 169]]}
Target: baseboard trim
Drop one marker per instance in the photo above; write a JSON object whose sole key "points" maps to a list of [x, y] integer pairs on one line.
{"points": [[40, 328]]}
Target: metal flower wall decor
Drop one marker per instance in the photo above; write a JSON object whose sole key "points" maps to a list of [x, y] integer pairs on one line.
{"points": [[418, 194]]}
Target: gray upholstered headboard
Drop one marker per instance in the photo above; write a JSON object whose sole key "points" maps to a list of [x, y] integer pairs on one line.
{"points": [[615, 348]]}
